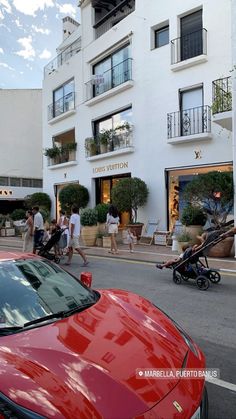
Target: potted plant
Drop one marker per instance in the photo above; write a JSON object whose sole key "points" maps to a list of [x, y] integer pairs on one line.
{"points": [[103, 139], [128, 195], [102, 210], [214, 192], [106, 240], [90, 146], [73, 194], [88, 220], [99, 237], [193, 218], [183, 239], [52, 152], [68, 151]]}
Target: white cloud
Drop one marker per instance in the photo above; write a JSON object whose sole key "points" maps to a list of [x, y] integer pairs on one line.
{"points": [[28, 53], [30, 7], [41, 30], [45, 55], [5, 65], [5, 26], [18, 24], [1, 15], [5, 6], [67, 9], [1, 51], [29, 66]]}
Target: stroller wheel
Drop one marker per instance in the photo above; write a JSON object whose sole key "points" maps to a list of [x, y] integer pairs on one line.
{"points": [[57, 260], [203, 283], [177, 278], [214, 276]]}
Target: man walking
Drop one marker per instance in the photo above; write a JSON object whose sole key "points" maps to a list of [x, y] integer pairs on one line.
{"points": [[74, 232], [38, 228]]}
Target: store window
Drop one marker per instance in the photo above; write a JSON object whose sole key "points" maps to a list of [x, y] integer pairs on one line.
{"points": [[177, 181], [161, 37], [104, 187]]}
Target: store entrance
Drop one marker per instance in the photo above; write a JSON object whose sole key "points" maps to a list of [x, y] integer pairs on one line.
{"points": [[8, 206]]}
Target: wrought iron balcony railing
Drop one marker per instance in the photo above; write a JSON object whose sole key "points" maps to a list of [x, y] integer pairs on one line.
{"points": [[60, 106], [111, 78], [113, 16], [61, 58], [189, 122], [221, 95], [117, 141], [189, 46]]}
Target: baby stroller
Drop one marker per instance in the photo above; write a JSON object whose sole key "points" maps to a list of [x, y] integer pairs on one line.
{"points": [[44, 250], [191, 267]]}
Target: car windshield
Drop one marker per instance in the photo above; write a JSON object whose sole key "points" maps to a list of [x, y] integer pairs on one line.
{"points": [[31, 289]]}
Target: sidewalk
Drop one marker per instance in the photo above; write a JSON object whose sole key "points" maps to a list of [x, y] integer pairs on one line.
{"points": [[142, 253]]}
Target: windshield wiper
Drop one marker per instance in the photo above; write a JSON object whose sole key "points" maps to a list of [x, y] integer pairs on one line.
{"points": [[45, 318], [4, 331], [78, 308]]}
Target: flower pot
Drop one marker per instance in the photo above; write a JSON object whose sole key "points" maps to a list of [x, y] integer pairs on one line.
{"points": [[222, 249], [99, 241], [103, 148], [106, 242], [89, 234], [194, 231]]}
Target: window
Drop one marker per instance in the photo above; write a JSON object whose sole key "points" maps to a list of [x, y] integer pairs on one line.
{"points": [[161, 37], [192, 111], [191, 35], [63, 98], [113, 121], [26, 183], [114, 69], [3, 181], [37, 183], [14, 181]]}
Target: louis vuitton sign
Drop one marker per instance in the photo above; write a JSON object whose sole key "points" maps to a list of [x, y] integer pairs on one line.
{"points": [[110, 167]]}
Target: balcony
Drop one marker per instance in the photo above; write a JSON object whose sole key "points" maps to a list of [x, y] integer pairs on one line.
{"points": [[222, 102], [189, 125], [62, 107], [189, 50], [61, 155], [108, 13], [110, 142], [63, 57], [112, 81]]}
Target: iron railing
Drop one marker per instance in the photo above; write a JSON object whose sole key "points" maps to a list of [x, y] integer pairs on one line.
{"points": [[118, 141], [119, 12], [111, 78], [61, 58], [189, 122], [189, 46], [221, 95], [62, 105]]}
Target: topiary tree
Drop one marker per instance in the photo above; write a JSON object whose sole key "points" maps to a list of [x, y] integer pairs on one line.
{"points": [[88, 217], [214, 193], [73, 194], [41, 199], [193, 216], [129, 194], [102, 210]]}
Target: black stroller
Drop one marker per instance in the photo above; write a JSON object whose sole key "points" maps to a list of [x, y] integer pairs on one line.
{"points": [[191, 267], [44, 250]]}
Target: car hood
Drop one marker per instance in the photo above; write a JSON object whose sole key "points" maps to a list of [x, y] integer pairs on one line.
{"points": [[86, 365]]}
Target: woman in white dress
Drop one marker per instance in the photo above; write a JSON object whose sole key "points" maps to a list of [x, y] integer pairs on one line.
{"points": [[63, 223], [112, 223], [29, 236]]}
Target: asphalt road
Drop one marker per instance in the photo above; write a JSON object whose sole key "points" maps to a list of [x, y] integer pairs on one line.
{"points": [[208, 316]]}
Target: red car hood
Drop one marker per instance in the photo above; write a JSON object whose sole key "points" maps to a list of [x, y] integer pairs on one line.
{"points": [[85, 365]]}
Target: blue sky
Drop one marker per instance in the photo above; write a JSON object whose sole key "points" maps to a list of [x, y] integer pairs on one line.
{"points": [[30, 31]]}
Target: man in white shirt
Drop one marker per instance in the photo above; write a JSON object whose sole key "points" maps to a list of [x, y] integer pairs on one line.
{"points": [[74, 232], [38, 228]]}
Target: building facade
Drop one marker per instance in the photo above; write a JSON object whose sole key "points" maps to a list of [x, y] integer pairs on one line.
{"points": [[139, 91], [21, 146]]}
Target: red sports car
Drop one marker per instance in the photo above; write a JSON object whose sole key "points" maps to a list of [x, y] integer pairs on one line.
{"points": [[67, 351]]}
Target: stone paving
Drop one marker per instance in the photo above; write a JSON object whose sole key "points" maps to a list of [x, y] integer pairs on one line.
{"points": [[149, 254]]}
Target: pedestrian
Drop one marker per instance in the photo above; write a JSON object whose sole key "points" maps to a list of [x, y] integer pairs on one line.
{"points": [[54, 227], [130, 240], [38, 228], [63, 223], [112, 223], [28, 236], [74, 233]]}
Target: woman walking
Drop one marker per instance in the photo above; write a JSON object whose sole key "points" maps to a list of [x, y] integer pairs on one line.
{"points": [[29, 233], [112, 223]]}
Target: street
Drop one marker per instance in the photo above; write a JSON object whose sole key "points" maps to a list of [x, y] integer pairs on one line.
{"points": [[208, 316]]}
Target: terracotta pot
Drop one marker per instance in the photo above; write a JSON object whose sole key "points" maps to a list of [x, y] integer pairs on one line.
{"points": [[222, 249]]}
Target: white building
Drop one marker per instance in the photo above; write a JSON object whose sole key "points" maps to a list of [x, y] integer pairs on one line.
{"points": [[21, 146], [156, 69]]}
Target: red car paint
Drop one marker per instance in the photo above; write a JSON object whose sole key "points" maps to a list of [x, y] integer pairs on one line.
{"points": [[84, 366]]}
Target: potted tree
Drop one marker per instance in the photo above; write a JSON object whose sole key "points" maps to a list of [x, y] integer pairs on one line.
{"points": [[88, 220], [104, 138], [73, 194], [102, 210], [193, 218], [128, 195], [214, 193], [90, 146]]}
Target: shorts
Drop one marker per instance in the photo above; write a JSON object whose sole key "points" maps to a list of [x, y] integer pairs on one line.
{"points": [[112, 228], [74, 243]]}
